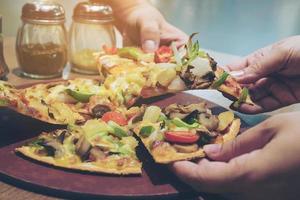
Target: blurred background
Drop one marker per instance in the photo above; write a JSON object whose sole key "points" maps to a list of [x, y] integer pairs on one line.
{"points": [[232, 26]]}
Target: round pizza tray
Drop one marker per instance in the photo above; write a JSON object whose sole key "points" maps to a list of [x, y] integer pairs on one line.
{"points": [[155, 182]]}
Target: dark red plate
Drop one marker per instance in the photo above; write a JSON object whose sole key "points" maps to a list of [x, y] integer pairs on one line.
{"points": [[155, 181]]}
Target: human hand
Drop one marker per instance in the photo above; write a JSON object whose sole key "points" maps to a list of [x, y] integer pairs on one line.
{"points": [[272, 75], [145, 26], [262, 163]]}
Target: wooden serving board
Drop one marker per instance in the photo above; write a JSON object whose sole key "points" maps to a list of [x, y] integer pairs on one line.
{"points": [[155, 182]]}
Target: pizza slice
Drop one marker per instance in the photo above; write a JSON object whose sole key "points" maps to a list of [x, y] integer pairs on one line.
{"points": [[61, 102], [178, 132], [96, 146], [168, 70]]}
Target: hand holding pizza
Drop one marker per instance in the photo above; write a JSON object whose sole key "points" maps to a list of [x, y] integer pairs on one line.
{"points": [[272, 74], [144, 25], [262, 163]]}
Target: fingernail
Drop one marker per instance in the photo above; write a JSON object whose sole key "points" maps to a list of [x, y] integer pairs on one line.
{"points": [[236, 73], [212, 148], [149, 46]]}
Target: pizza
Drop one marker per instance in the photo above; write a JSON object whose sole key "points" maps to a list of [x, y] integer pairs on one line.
{"points": [[107, 145], [178, 132], [97, 146], [126, 75], [104, 123]]}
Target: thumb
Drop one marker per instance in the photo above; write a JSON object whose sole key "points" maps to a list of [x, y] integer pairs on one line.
{"points": [[252, 139], [149, 35], [260, 65]]}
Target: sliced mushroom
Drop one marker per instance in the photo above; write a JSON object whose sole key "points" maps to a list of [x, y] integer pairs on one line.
{"points": [[182, 111], [99, 110], [54, 148], [61, 135], [189, 148], [96, 154], [83, 147], [211, 122]]}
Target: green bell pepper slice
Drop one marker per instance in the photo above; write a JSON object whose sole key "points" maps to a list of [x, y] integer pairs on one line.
{"points": [[179, 123], [130, 53], [146, 131], [117, 130], [242, 98], [220, 81], [79, 96]]}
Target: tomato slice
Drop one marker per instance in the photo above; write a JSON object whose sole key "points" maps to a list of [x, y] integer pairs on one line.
{"points": [[163, 54], [115, 117], [181, 137], [109, 50]]}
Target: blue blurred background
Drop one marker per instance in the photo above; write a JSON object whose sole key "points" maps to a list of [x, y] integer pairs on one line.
{"points": [[231, 26], [234, 26]]}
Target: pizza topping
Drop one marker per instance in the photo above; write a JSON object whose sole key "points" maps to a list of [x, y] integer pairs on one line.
{"points": [[130, 53], [186, 148], [96, 153], [99, 110], [206, 137], [243, 97], [196, 82], [79, 96], [146, 131], [225, 119], [220, 80], [177, 56], [182, 111], [166, 76], [117, 130], [152, 114], [115, 117], [176, 85], [109, 50], [181, 137], [48, 146], [179, 123], [163, 54], [209, 121], [83, 146]]}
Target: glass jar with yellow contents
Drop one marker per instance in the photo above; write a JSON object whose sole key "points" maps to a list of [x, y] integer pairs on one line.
{"points": [[92, 28]]}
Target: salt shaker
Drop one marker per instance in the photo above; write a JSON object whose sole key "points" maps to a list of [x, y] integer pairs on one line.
{"points": [[92, 27]]}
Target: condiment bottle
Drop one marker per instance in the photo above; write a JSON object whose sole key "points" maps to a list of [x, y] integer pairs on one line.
{"points": [[92, 27], [41, 44]]}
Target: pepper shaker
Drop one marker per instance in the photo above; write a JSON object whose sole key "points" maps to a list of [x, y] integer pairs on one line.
{"points": [[41, 44]]}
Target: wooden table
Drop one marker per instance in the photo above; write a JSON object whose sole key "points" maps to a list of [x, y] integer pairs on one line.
{"points": [[8, 190]]}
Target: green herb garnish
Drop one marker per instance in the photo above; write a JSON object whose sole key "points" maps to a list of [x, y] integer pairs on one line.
{"points": [[242, 98], [220, 81]]}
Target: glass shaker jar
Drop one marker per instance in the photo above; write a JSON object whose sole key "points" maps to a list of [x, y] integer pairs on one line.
{"points": [[41, 44], [92, 28]]}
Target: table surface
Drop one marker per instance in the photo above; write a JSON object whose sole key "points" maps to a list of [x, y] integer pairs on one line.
{"points": [[8, 191]]}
